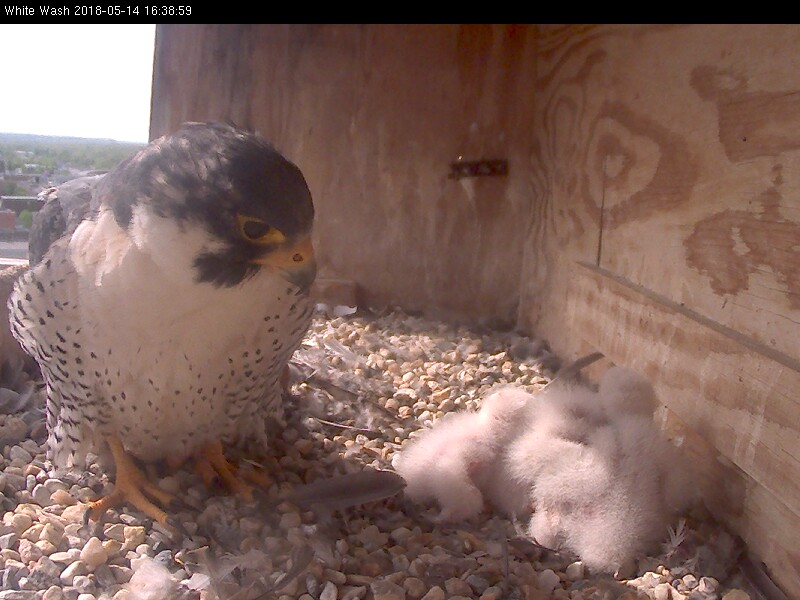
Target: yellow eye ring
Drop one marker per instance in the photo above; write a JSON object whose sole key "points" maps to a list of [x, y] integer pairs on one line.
{"points": [[256, 231]]}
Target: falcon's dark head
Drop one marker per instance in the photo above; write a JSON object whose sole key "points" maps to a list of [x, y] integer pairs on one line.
{"points": [[222, 193]]}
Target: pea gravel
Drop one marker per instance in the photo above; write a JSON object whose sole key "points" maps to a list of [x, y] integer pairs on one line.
{"points": [[362, 384]]}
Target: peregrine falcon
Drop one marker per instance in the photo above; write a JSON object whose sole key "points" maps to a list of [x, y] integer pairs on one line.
{"points": [[164, 301]]}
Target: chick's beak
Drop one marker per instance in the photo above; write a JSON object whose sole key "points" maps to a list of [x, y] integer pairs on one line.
{"points": [[294, 261]]}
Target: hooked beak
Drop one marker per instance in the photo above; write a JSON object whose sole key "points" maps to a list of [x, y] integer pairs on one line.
{"points": [[295, 262]]}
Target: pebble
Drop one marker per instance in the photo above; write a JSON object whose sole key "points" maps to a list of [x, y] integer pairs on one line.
{"points": [[113, 548], [170, 484], [290, 521], [457, 587], [574, 571], [115, 531], [329, 591], [13, 430], [690, 581], [435, 593], [54, 485], [651, 579], [74, 513], [121, 573], [104, 577], [18, 595], [336, 577], [50, 533], [9, 555], [93, 554], [19, 455], [736, 594], [44, 573], [372, 538], [20, 522], [14, 482], [548, 581], [83, 583], [9, 540], [73, 569], [34, 532], [68, 557], [400, 535], [250, 526], [415, 588], [354, 593], [662, 591], [477, 583], [707, 585], [492, 593], [386, 590], [41, 495], [28, 551], [53, 593]]}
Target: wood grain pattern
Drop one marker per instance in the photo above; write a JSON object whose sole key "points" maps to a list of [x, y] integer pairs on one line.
{"points": [[663, 148], [742, 400], [740, 403], [694, 161]]}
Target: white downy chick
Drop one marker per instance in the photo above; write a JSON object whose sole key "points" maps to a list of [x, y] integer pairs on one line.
{"points": [[625, 391], [624, 515], [505, 414], [560, 422], [598, 470], [458, 459], [569, 490]]}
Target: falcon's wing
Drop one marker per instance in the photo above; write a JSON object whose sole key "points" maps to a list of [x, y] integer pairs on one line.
{"points": [[64, 208]]}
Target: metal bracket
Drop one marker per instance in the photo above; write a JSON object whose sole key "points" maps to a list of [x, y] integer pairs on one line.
{"points": [[478, 168]]}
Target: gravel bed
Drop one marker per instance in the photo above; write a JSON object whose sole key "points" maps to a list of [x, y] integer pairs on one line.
{"points": [[363, 383]]}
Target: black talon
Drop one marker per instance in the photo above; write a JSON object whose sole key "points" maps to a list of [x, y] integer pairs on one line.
{"points": [[178, 503], [177, 526]]}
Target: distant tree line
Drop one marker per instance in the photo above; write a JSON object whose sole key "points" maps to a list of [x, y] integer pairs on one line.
{"points": [[12, 188], [53, 154], [25, 219]]}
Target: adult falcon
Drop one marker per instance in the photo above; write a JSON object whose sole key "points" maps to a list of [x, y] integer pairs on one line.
{"points": [[163, 303]]}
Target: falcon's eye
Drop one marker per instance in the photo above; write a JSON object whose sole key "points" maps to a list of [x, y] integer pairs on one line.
{"points": [[257, 231]]}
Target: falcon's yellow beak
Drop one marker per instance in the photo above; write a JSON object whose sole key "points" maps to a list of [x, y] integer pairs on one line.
{"points": [[295, 262]]}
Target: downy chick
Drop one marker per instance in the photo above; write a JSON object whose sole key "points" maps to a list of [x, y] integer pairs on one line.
{"points": [[598, 471], [458, 461]]}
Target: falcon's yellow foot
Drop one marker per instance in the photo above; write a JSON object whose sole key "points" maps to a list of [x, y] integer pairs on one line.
{"points": [[212, 465], [133, 487]]}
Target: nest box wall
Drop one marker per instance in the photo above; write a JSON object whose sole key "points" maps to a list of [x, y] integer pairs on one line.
{"points": [[632, 189]]}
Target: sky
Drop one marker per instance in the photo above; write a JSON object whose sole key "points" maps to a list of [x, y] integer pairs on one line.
{"points": [[90, 81]]}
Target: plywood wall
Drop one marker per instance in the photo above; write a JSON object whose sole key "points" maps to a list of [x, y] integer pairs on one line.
{"points": [[670, 172], [651, 211]]}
